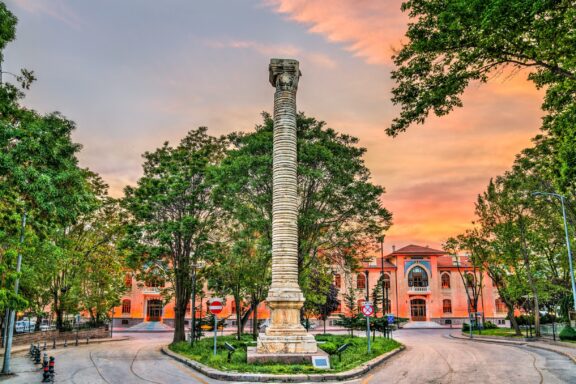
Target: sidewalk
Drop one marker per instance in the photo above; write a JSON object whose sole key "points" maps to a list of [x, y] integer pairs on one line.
{"points": [[23, 349], [565, 349]]}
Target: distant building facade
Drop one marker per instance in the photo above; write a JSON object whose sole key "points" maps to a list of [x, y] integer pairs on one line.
{"points": [[423, 284]]}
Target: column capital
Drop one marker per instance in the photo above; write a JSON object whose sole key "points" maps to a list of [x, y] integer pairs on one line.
{"points": [[284, 74]]}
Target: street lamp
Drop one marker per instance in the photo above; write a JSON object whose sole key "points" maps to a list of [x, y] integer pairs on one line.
{"points": [[561, 197]]}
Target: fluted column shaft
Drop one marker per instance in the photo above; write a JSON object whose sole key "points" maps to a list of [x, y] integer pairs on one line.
{"points": [[284, 195]]}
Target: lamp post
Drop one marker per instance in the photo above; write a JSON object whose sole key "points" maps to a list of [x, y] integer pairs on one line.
{"points": [[561, 197], [384, 287]]}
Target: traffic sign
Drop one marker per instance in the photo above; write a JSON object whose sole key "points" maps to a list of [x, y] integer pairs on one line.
{"points": [[390, 319], [215, 306], [367, 309]]}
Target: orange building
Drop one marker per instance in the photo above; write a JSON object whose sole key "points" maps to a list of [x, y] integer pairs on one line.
{"points": [[143, 302], [424, 284]]}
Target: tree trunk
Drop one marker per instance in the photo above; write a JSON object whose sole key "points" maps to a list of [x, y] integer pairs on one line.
{"points": [[255, 319], [238, 316], [182, 297], [513, 322], [324, 325]]}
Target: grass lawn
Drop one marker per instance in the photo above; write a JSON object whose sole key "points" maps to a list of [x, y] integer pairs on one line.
{"points": [[507, 332], [355, 355]]}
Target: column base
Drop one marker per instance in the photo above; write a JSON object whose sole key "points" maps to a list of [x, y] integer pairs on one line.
{"points": [[294, 344]]}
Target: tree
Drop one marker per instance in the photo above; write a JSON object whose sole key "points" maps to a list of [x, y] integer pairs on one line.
{"points": [[39, 173], [340, 210], [172, 213], [452, 43]]}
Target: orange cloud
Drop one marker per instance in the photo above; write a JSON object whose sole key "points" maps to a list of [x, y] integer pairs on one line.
{"points": [[370, 29]]}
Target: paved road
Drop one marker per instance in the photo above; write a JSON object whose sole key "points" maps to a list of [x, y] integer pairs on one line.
{"points": [[431, 357]]}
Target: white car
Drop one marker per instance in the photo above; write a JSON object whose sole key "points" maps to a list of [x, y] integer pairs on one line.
{"points": [[25, 326]]}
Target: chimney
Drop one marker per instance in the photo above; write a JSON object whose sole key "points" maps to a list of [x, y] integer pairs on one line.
{"points": [[393, 248]]}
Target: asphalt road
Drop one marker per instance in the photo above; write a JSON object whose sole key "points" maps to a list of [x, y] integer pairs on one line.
{"points": [[431, 357]]}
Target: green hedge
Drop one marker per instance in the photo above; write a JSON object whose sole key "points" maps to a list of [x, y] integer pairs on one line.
{"points": [[568, 333]]}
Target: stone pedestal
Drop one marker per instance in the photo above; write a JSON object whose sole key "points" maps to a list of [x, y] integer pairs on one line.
{"points": [[253, 356]]}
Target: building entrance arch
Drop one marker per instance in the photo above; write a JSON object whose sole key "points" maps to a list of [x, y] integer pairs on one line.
{"points": [[418, 309]]}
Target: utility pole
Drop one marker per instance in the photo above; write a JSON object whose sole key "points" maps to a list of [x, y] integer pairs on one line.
{"points": [[12, 311]]}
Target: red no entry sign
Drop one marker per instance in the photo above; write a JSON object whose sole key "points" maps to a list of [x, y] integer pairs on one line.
{"points": [[367, 309], [215, 306]]}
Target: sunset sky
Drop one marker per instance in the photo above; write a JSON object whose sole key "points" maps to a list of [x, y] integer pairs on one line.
{"points": [[134, 73]]}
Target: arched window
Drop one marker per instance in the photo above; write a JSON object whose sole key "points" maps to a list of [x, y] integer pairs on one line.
{"points": [[447, 306], [126, 306], [386, 281], [155, 282], [500, 305], [128, 280], [445, 280], [361, 281], [417, 277], [337, 281]]}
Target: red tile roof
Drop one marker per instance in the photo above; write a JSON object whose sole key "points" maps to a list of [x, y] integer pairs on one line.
{"points": [[446, 261], [387, 264], [416, 250]]}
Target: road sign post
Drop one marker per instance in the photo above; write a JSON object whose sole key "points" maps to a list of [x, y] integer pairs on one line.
{"points": [[215, 307], [368, 311]]}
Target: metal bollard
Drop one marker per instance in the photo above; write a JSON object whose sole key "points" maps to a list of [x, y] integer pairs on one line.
{"points": [[87, 339], [54, 343], [46, 375], [65, 342], [76, 338], [37, 357], [51, 366], [44, 348], [45, 359], [31, 353]]}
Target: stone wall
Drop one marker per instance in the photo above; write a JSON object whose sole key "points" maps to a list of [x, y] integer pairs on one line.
{"points": [[126, 322], [48, 336]]}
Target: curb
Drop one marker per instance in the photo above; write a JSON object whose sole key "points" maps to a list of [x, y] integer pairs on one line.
{"points": [[522, 343], [266, 378]]}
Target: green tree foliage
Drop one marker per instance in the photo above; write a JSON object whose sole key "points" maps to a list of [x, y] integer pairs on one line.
{"points": [[173, 217], [41, 184], [339, 208], [454, 42]]}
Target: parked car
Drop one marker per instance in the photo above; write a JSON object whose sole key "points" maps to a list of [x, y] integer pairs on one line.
{"points": [[46, 326], [25, 325]]}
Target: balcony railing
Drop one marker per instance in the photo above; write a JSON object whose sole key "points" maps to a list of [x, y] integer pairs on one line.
{"points": [[418, 289]]}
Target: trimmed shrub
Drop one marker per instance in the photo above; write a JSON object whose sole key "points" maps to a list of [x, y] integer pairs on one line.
{"points": [[568, 333], [490, 325]]}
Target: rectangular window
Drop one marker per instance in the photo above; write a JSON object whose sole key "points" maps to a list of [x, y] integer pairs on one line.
{"points": [[447, 306]]}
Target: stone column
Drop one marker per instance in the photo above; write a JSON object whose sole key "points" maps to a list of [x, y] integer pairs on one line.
{"points": [[285, 333]]}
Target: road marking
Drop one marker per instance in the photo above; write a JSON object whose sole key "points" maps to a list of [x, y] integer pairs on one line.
{"points": [[367, 380]]}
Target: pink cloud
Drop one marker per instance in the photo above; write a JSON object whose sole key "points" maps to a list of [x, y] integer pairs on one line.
{"points": [[56, 9]]}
